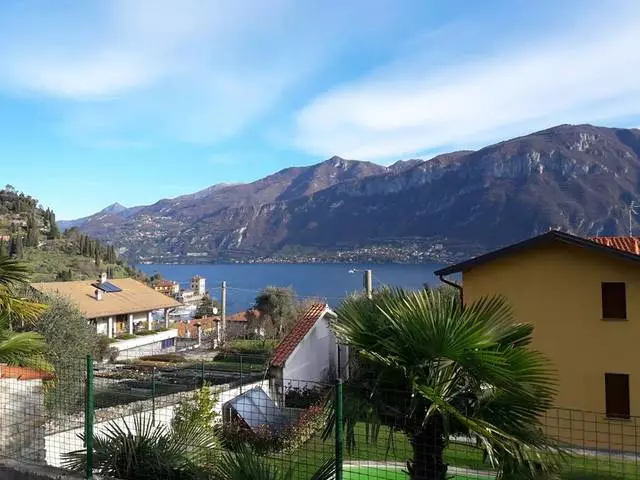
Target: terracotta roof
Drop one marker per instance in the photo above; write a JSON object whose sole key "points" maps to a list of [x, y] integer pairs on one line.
{"points": [[626, 244], [551, 236], [134, 297], [206, 323], [242, 316], [297, 334], [24, 373]]}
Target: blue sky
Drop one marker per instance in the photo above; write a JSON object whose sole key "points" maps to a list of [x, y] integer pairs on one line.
{"points": [[137, 100]]}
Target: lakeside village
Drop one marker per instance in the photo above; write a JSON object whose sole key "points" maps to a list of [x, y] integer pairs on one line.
{"points": [[273, 367]]}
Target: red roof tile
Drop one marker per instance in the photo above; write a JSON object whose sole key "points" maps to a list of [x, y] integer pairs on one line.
{"points": [[207, 323], [295, 336], [626, 244], [242, 316], [24, 373]]}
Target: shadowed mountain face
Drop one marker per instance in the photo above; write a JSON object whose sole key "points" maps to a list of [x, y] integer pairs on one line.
{"points": [[577, 178]]}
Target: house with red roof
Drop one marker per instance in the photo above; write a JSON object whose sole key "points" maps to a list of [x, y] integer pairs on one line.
{"points": [[308, 355]]}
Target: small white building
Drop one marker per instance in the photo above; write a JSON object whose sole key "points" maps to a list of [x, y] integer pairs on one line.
{"points": [[199, 285], [308, 355]]}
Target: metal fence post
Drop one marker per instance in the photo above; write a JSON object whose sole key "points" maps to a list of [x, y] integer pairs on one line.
{"points": [[202, 374], [240, 374], [339, 434], [153, 396], [88, 418]]}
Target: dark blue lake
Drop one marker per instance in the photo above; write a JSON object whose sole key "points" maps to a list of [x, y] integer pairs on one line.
{"points": [[326, 281]]}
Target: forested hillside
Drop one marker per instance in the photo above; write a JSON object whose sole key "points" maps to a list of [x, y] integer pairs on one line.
{"points": [[29, 232]]}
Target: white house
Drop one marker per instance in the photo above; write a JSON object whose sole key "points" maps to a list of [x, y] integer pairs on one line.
{"points": [[198, 285], [119, 306], [308, 355]]}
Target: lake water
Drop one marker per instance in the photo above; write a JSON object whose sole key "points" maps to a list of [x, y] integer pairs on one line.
{"points": [[326, 281]]}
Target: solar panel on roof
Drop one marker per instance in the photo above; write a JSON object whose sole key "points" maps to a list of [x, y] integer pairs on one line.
{"points": [[107, 287]]}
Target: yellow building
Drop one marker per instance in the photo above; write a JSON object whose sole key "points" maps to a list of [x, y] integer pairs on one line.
{"points": [[583, 298]]}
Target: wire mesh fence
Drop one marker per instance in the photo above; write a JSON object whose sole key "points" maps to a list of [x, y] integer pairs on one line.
{"points": [[229, 416]]}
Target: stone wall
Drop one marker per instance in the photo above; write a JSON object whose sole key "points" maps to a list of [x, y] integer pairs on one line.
{"points": [[22, 419]]}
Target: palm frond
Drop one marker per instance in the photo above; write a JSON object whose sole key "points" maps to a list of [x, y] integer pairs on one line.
{"points": [[13, 272], [16, 348], [471, 366], [244, 464]]}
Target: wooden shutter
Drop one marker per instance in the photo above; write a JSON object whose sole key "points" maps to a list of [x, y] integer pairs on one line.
{"points": [[617, 395], [614, 300]]}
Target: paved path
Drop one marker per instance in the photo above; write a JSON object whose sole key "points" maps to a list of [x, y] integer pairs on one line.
{"points": [[468, 472]]}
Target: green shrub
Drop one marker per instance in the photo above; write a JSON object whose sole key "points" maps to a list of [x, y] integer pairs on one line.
{"points": [[250, 346], [146, 332], [102, 345], [303, 397], [125, 336], [198, 410], [266, 440], [164, 357]]}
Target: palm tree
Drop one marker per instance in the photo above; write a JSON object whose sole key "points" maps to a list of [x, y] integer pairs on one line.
{"points": [[187, 450], [24, 348], [430, 368], [146, 450]]}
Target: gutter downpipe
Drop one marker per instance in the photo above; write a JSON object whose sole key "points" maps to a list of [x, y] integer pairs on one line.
{"points": [[454, 285]]}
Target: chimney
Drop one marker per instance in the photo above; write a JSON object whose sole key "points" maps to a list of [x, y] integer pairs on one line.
{"points": [[98, 294], [103, 277]]}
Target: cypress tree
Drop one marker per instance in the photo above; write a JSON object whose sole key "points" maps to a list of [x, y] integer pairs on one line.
{"points": [[32, 232], [18, 247], [54, 232]]}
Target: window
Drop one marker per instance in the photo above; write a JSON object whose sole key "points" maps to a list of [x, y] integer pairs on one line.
{"points": [[616, 387], [614, 300]]}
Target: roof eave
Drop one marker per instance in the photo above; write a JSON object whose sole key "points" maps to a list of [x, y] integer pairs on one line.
{"points": [[549, 236]]}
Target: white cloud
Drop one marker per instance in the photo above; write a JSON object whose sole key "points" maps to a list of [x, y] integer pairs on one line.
{"points": [[587, 74], [190, 70]]}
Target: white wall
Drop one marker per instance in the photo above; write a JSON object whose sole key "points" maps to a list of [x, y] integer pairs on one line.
{"points": [[59, 443], [140, 317], [314, 359], [102, 326]]}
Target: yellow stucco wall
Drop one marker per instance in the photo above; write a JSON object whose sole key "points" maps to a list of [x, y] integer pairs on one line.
{"points": [[557, 288]]}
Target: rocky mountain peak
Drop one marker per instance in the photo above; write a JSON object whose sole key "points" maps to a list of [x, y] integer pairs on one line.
{"points": [[572, 177]]}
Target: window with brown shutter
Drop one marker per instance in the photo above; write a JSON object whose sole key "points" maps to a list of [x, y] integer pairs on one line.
{"points": [[614, 301], [616, 387]]}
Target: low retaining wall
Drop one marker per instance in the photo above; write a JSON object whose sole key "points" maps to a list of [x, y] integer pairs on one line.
{"points": [[13, 470], [57, 443]]}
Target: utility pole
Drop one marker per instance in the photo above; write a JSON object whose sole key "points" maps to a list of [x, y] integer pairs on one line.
{"points": [[223, 312], [368, 283]]}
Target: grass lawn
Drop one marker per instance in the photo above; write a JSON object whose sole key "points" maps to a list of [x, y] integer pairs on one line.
{"points": [[395, 449]]}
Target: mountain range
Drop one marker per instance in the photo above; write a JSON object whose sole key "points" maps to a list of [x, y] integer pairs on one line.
{"points": [[578, 178]]}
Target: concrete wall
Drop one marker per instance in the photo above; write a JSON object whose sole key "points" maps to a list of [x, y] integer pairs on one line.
{"points": [[146, 344], [13, 470], [22, 418], [59, 443], [557, 288]]}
